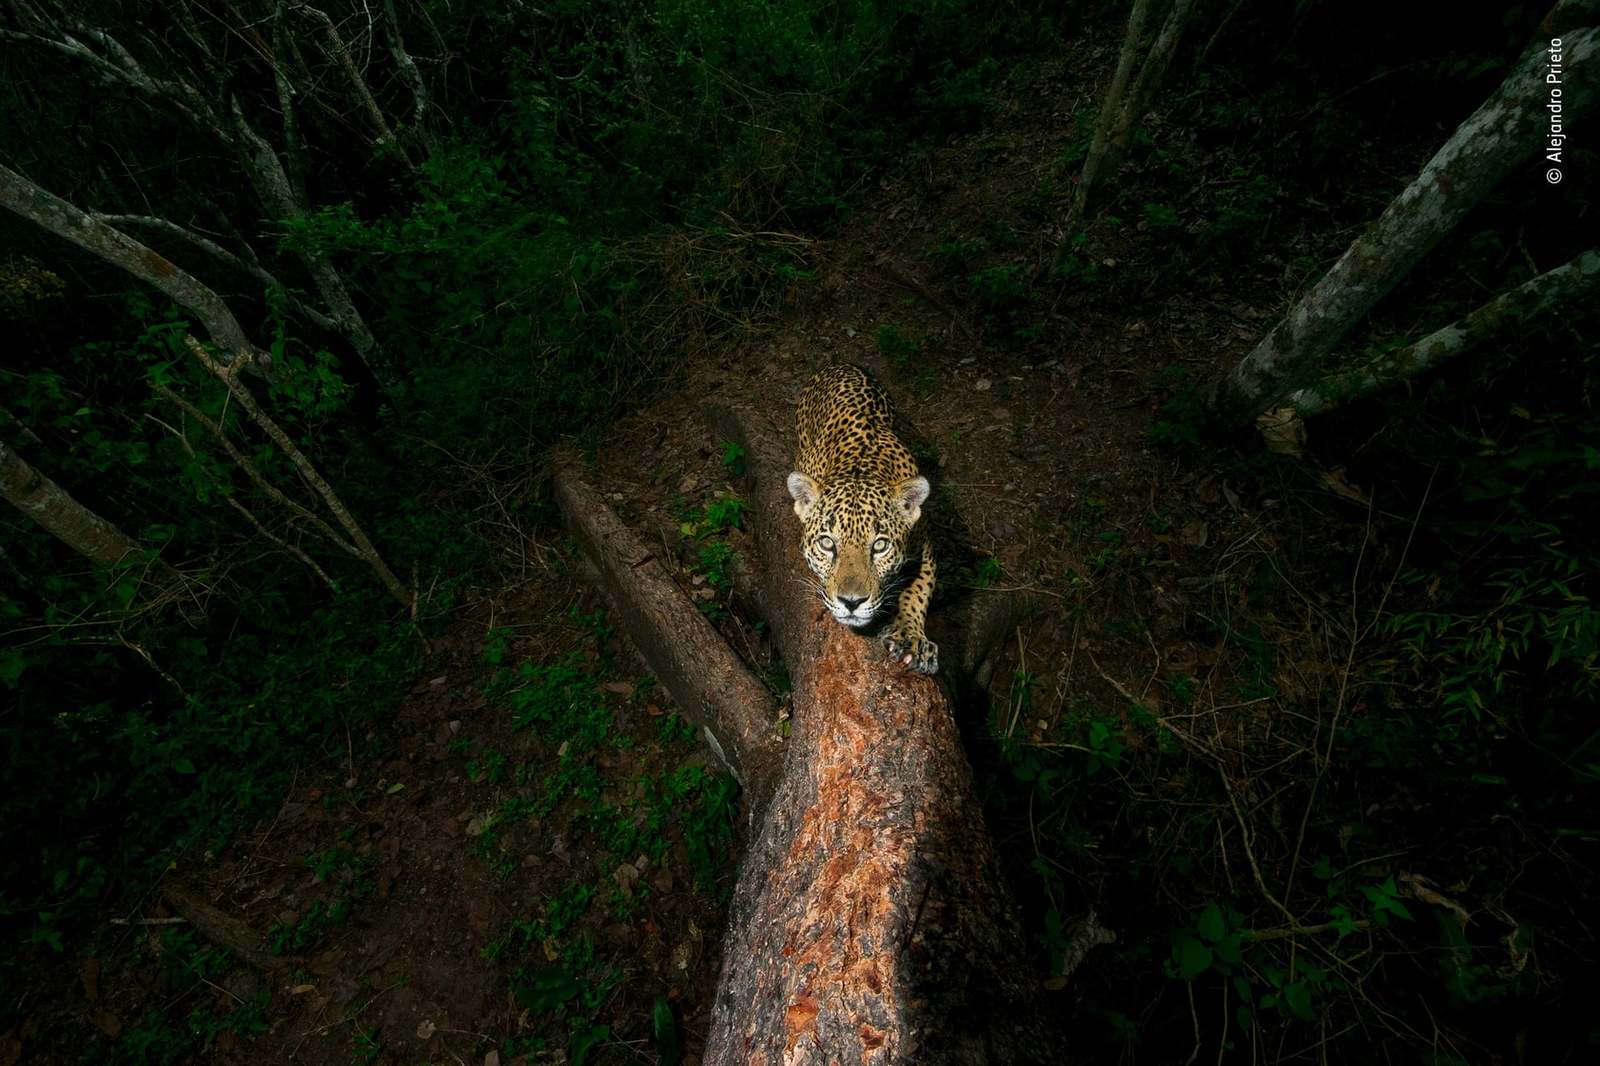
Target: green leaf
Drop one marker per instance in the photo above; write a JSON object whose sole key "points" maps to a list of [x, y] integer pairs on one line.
{"points": [[546, 988], [582, 1043], [1297, 997], [1212, 925], [1192, 957], [12, 663], [669, 1048]]}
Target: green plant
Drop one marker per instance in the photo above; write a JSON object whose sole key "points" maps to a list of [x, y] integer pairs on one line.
{"points": [[898, 347], [1160, 218], [1183, 417]]}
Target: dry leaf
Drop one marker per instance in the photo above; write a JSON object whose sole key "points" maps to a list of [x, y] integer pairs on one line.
{"points": [[1333, 480], [1422, 889], [1283, 431]]}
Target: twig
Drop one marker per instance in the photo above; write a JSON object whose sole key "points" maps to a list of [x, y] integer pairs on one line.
{"points": [[229, 377], [250, 470]]}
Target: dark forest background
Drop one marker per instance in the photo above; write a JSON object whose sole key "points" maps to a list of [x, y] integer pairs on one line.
{"points": [[479, 229]]}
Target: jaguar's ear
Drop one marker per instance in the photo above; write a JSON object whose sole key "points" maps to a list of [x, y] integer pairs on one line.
{"points": [[805, 491], [910, 494]]}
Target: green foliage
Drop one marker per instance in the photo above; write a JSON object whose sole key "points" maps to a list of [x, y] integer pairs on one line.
{"points": [[1495, 631], [723, 513], [900, 348], [1239, 214], [1183, 417], [1160, 218], [1005, 295], [956, 255], [614, 819], [664, 1027], [988, 573]]}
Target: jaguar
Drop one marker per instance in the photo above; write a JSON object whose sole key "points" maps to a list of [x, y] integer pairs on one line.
{"points": [[858, 495]]}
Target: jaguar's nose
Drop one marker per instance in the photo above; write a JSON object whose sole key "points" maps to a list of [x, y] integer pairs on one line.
{"points": [[850, 603]]}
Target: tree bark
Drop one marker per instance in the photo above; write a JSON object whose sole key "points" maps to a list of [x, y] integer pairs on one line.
{"points": [[217, 251], [1152, 72], [1564, 286], [411, 75], [870, 921], [1482, 152], [223, 929], [710, 685], [69, 521], [1123, 105], [381, 132], [1110, 108]]}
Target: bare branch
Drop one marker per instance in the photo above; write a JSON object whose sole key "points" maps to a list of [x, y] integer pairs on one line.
{"points": [[408, 71], [273, 186], [1482, 152], [1111, 107], [358, 84], [244, 511], [252, 267], [292, 145], [249, 468], [229, 377], [1566, 285], [53, 508], [22, 196], [122, 67]]}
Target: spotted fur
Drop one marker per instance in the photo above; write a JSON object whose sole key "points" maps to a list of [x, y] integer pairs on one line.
{"points": [[858, 494]]}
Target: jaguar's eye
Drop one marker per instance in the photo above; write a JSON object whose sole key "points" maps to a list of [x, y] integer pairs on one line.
{"points": [[880, 545], [825, 543]]}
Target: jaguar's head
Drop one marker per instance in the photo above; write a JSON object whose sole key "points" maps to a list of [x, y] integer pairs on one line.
{"points": [[854, 532]]}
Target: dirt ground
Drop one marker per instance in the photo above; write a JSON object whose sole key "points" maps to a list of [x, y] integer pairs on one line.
{"points": [[1038, 414]]}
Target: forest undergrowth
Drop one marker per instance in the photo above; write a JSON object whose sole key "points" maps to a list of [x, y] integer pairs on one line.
{"points": [[1313, 734]]}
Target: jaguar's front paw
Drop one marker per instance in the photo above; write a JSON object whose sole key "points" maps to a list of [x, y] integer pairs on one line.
{"points": [[913, 650]]}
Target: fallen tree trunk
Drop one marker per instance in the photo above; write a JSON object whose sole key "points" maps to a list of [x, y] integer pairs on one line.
{"points": [[712, 688], [223, 929], [870, 922]]}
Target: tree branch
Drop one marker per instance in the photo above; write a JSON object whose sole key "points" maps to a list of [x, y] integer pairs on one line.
{"points": [[243, 462], [358, 536], [211, 247], [1481, 153], [408, 71], [1566, 285], [358, 84], [69, 521], [23, 197], [245, 512]]}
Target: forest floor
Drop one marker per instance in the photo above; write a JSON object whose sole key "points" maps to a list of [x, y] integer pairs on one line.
{"points": [[460, 888]]}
